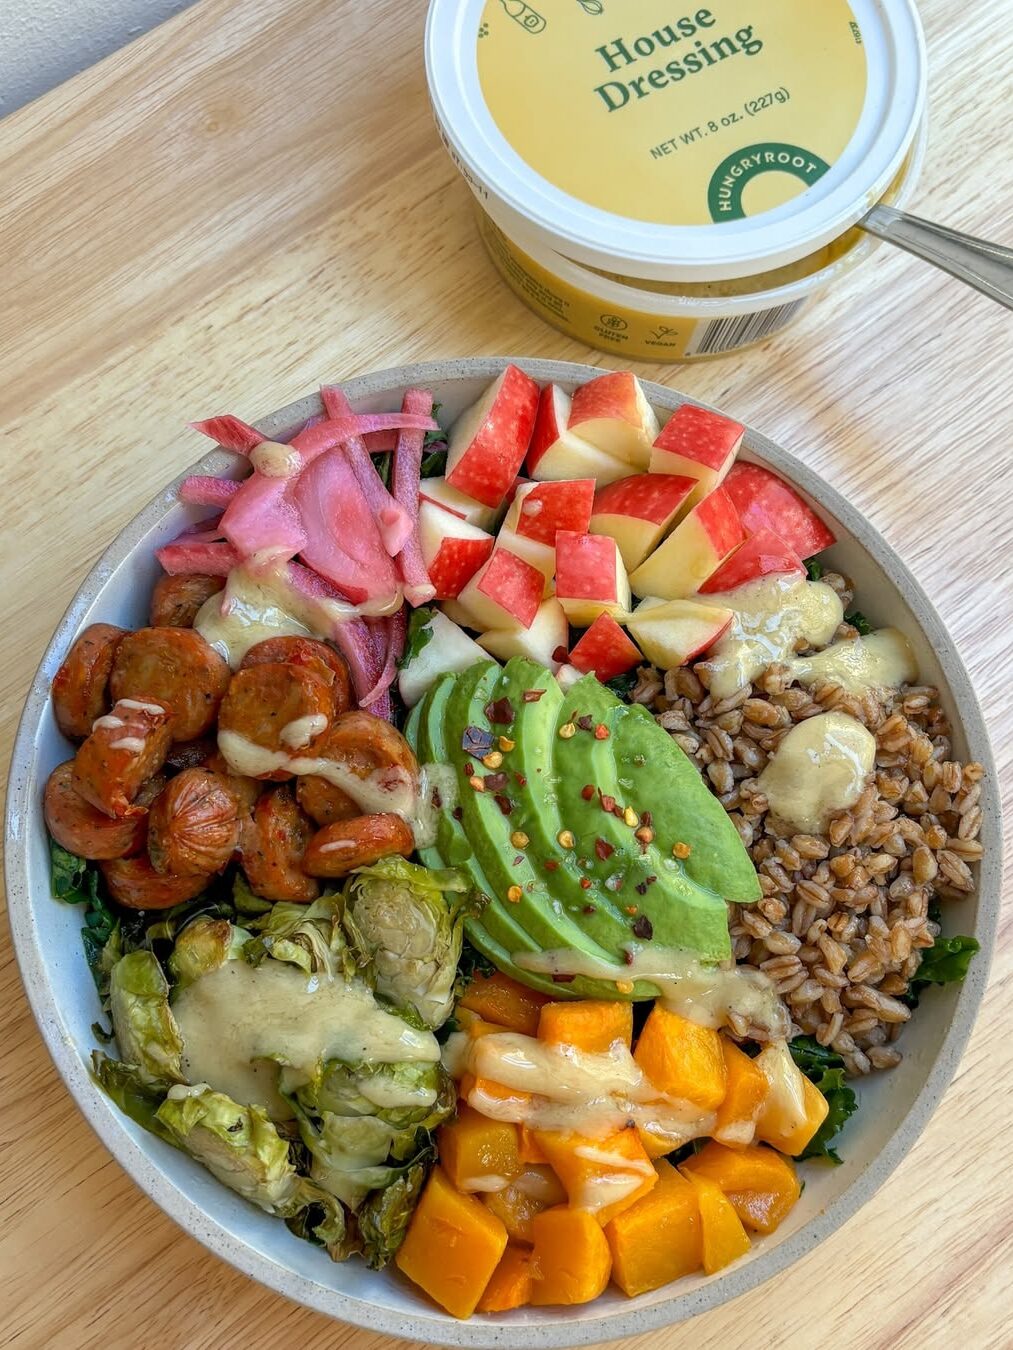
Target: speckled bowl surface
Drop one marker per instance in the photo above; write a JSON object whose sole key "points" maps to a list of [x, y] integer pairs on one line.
{"points": [[893, 1107]]}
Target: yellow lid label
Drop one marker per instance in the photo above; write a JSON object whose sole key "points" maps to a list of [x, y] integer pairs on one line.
{"points": [[670, 118]]}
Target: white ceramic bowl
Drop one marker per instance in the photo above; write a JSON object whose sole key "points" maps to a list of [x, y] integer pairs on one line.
{"points": [[893, 1107]]}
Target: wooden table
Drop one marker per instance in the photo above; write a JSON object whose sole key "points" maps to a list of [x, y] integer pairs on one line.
{"points": [[252, 199]]}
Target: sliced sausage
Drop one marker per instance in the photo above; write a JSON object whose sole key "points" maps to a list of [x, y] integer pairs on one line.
{"points": [[176, 600], [135, 884], [126, 747], [80, 686], [175, 667], [191, 754], [193, 825], [316, 656], [81, 828], [272, 842], [323, 802], [368, 747], [271, 713], [337, 849], [245, 790]]}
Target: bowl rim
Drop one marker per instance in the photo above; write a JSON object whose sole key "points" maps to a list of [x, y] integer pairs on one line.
{"points": [[437, 1328]]}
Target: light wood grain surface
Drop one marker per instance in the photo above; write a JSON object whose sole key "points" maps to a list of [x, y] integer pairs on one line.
{"points": [[251, 200]]}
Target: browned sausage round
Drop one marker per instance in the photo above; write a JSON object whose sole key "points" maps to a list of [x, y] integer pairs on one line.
{"points": [[272, 842], [176, 667], [80, 685], [278, 709], [316, 656], [337, 849], [125, 748], [134, 883], [367, 747], [81, 828], [323, 802], [176, 600], [245, 790], [191, 754], [193, 825]]}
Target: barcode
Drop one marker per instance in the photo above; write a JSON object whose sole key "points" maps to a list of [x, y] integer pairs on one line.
{"points": [[724, 335]]}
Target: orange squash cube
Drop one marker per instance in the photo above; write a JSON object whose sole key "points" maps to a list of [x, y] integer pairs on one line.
{"points": [[761, 1184], [793, 1108], [477, 1153], [592, 1025], [536, 1188], [723, 1237], [603, 1176], [571, 1260], [496, 998], [746, 1087], [658, 1239], [527, 1146], [452, 1247], [510, 1285], [682, 1059]]}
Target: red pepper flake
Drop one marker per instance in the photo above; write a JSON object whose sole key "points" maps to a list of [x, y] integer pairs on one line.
{"points": [[585, 883], [646, 818], [585, 722], [521, 780], [563, 979], [601, 732], [628, 956], [518, 860], [589, 909], [496, 782], [532, 695], [587, 791], [643, 928], [603, 849], [469, 768], [632, 909], [551, 865], [458, 813], [641, 888], [500, 710], [504, 803], [608, 804], [561, 655], [437, 798], [619, 811]]}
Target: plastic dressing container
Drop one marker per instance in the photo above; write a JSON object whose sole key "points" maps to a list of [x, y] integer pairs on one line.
{"points": [[666, 182]]}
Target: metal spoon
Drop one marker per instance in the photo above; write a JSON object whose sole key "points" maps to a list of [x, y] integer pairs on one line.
{"points": [[985, 267]]}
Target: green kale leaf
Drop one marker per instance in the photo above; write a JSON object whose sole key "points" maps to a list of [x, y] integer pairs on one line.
{"points": [[825, 1069]]}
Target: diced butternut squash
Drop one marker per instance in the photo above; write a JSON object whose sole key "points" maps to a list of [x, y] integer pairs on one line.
{"points": [[496, 998], [477, 1153], [658, 1142], [723, 1239], [793, 1108], [528, 1147], [592, 1025], [571, 1260], [760, 1183], [474, 1025], [682, 1059], [479, 1091], [536, 1188], [510, 1285], [452, 1246], [603, 1176], [745, 1089], [658, 1239]]}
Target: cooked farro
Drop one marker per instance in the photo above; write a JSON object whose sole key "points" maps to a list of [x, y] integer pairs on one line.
{"points": [[844, 915]]}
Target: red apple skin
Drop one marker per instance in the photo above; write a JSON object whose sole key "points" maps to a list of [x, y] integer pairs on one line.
{"points": [[710, 642], [605, 649], [514, 585], [700, 435], [551, 417], [487, 465], [762, 499], [763, 554], [583, 562], [655, 497], [456, 562], [560, 505]]}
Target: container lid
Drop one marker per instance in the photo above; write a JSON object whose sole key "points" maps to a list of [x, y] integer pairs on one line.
{"points": [[715, 143]]}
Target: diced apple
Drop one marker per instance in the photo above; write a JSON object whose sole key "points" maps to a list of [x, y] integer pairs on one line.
{"points": [[542, 556], [567, 676], [697, 443], [763, 554], [672, 632], [590, 577], [545, 641], [452, 550], [538, 510], [763, 499], [693, 551], [637, 512], [449, 649], [439, 491], [488, 442], [605, 649], [612, 412], [557, 453], [505, 593], [458, 614]]}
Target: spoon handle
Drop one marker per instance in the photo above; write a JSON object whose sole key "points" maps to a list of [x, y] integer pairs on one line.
{"points": [[986, 267]]}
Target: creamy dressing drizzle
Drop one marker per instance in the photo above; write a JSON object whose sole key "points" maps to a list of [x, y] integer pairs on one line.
{"points": [[240, 1022], [300, 732], [771, 617], [820, 767], [388, 790], [245, 613], [133, 744], [108, 721], [275, 460], [703, 994], [156, 709], [882, 660]]}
